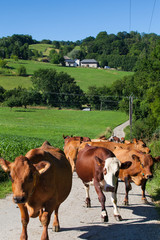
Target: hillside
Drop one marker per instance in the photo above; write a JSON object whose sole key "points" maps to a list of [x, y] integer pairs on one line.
{"points": [[83, 76]]}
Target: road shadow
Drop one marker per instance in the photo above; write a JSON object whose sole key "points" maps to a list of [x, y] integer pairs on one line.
{"points": [[143, 225]]}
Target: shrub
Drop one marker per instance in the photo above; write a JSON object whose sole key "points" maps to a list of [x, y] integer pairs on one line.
{"points": [[3, 63], [22, 71]]}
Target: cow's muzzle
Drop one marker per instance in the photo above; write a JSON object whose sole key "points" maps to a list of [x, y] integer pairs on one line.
{"points": [[149, 176], [19, 199]]}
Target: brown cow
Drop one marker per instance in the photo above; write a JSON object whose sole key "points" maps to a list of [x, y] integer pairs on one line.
{"points": [[139, 172], [41, 181], [99, 166], [114, 139], [71, 151], [76, 138], [139, 145], [72, 147]]}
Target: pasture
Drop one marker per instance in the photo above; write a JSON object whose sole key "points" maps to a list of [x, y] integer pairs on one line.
{"points": [[51, 124], [84, 77]]}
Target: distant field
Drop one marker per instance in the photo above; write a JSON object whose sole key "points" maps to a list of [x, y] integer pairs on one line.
{"points": [[44, 48], [83, 76], [52, 124]]}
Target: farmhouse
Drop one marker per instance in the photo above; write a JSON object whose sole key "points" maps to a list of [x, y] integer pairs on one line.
{"points": [[84, 63], [89, 63], [70, 63]]}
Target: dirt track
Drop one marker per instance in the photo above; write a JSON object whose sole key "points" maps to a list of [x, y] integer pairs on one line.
{"points": [[77, 222]]}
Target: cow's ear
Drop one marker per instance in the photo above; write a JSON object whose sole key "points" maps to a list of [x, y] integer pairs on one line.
{"points": [[156, 159], [42, 166], [125, 165], [136, 158], [135, 140], [99, 161], [5, 165]]}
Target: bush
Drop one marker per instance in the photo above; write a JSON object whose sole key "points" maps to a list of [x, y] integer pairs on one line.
{"points": [[13, 102], [22, 71], [3, 63]]}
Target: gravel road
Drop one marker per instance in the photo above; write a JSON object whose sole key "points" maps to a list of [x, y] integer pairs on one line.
{"points": [[140, 221]]}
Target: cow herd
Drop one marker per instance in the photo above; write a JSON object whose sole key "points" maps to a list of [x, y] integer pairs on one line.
{"points": [[42, 179]]}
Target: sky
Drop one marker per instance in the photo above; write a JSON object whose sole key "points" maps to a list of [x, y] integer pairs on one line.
{"points": [[70, 20]]}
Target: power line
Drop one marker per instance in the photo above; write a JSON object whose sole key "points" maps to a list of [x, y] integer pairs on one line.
{"points": [[152, 15]]}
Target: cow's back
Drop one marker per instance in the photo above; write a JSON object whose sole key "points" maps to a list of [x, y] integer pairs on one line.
{"points": [[57, 180]]}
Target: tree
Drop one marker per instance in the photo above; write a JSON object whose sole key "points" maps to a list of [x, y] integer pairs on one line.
{"points": [[58, 89], [13, 102], [22, 71], [3, 63], [2, 91]]}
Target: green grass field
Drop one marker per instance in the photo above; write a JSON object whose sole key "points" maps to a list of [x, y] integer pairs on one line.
{"points": [[84, 77], [52, 124], [44, 48]]}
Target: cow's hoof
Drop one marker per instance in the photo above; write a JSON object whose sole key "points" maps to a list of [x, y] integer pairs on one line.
{"points": [[56, 228], [88, 203], [104, 216], [126, 203], [118, 218], [104, 219], [144, 200]]}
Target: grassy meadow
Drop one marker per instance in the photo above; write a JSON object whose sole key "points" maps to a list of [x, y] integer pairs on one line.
{"points": [[44, 48], [84, 77], [51, 124]]}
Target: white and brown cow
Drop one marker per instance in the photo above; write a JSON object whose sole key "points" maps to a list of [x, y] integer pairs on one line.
{"points": [[99, 166]]}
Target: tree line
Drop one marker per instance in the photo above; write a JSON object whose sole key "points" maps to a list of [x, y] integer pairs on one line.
{"points": [[121, 51]]}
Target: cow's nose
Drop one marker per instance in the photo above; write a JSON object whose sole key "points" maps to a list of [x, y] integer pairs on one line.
{"points": [[117, 173], [18, 199], [149, 176]]}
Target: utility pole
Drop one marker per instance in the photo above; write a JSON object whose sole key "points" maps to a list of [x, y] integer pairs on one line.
{"points": [[101, 106], [130, 114]]}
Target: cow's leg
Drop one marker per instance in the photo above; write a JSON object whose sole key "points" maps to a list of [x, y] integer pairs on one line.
{"points": [[114, 202], [128, 187], [56, 226], [24, 220], [45, 220], [102, 200], [143, 187], [88, 200]]}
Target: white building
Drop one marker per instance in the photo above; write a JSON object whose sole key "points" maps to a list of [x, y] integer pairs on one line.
{"points": [[89, 63]]}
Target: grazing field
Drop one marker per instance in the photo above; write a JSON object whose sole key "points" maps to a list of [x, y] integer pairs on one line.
{"points": [[44, 48], [52, 124], [84, 77]]}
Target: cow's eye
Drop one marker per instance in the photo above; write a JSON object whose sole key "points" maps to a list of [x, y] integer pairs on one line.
{"points": [[11, 178], [30, 177]]}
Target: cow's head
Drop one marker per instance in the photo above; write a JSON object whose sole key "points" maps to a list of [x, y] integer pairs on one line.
{"points": [[111, 167], [146, 164], [24, 176], [141, 146]]}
